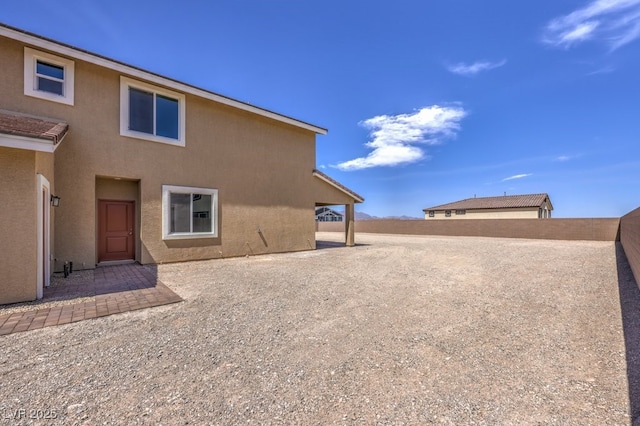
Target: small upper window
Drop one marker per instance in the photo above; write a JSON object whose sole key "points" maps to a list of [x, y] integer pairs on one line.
{"points": [[447, 213], [152, 113], [432, 213], [48, 77]]}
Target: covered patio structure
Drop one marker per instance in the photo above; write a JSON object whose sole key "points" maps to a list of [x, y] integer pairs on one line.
{"points": [[329, 192]]}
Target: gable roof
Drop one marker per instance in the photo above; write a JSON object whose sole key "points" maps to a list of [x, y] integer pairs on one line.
{"points": [[357, 198], [325, 211], [130, 70], [500, 202], [30, 132]]}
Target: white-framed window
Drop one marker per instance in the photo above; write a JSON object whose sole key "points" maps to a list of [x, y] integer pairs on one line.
{"points": [[432, 213], [151, 113], [49, 77], [189, 212], [447, 213]]}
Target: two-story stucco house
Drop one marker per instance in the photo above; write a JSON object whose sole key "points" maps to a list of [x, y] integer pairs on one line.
{"points": [[527, 206], [101, 161]]}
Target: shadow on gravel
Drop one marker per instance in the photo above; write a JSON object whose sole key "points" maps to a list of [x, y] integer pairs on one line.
{"points": [[321, 245], [630, 307]]}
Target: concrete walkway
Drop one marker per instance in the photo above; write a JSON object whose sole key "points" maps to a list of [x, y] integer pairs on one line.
{"points": [[116, 289]]}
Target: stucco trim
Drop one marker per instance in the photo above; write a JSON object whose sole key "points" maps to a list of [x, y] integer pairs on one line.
{"points": [[30, 58], [125, 84], [167, 190], [31, 144], [72, 52], [43, 235]]}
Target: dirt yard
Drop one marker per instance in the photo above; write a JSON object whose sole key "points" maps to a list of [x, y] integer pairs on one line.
{"points": [[397, 330]]}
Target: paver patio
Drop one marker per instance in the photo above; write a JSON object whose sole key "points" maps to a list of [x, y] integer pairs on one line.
{"points": [[115, 289]]}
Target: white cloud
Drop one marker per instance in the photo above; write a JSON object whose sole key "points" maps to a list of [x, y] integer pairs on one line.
{"points": [[565, 158], [604, 70], [617, 22], [523, 175], [473, 69], [394, 136], [580, 32]]}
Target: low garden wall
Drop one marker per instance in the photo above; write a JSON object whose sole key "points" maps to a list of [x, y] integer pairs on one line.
{"points": [[597, 229]]}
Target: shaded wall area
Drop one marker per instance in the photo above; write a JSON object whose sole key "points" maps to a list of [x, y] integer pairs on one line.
{"points": [[18, 237], [630, 239], [629, 302], [599, 229]]}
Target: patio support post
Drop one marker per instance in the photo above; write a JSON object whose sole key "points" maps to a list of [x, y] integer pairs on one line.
{"points": [[350, 225]]}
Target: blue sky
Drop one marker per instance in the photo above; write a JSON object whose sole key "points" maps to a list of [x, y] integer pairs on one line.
{"points": [[426, 102]]}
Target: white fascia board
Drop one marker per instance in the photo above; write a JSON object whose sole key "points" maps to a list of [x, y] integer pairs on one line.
{"points": [[31, 144], [322, 178], [150, 77]]}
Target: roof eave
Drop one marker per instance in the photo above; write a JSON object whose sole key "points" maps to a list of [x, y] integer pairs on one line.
{"points": [[29, 143], [76, 53], [357, 198]]}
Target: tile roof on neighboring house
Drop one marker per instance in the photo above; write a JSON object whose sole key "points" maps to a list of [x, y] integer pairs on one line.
{"points": [[500, 202], [29, 126], [317, 173]]}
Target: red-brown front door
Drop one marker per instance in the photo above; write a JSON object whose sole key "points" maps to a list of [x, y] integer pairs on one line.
{"points": [[116, 221]]}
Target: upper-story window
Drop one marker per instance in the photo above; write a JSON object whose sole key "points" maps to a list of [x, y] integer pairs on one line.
{"points": [[48, 76], [447, 213], [151, 113]]}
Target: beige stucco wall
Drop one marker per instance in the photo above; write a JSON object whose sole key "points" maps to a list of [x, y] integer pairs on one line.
{"points": [[326, 194], [18, 230], [524, 213], [261, 168]]}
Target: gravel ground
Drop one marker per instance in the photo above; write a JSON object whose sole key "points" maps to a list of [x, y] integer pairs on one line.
{"points": [[398, 330]]}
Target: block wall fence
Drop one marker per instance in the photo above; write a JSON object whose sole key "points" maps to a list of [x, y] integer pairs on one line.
{"points": [[549, 229], [630, 240], [625, 229]]}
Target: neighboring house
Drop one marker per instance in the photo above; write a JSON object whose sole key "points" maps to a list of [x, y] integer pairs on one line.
{"points": [[529, 206], [143, 167], [325, 214]]}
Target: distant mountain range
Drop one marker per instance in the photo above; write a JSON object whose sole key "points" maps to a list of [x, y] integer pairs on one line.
{"points": [[365, 216]]}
